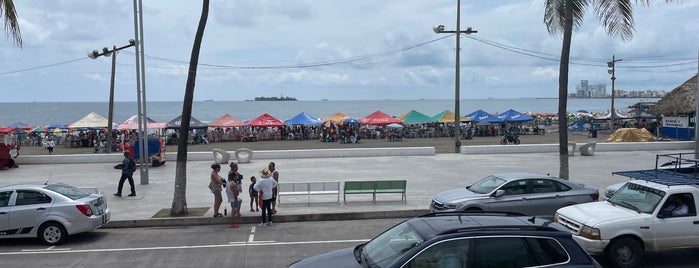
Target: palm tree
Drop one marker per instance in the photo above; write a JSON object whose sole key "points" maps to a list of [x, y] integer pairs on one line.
{"points": [[179, 200], [565, 16], [7, 10]]}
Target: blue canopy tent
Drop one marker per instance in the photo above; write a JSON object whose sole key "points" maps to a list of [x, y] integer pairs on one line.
{"points": [[351, 121], [513, 116], [303, 119], [480, 116]]}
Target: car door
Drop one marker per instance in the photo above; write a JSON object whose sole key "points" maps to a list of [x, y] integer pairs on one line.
{"points": [[676, 231], [30, 209], [4, 211], [515, 198], [544, 197], [449, 253]]}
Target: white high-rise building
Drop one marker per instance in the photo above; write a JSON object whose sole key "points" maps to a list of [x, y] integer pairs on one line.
{"points": [[585, 90]]}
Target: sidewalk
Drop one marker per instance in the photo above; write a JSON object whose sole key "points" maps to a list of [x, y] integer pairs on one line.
{"points": [[426, 176]]}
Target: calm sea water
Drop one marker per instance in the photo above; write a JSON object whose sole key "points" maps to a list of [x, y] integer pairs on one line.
{"points": [[45, 113]]}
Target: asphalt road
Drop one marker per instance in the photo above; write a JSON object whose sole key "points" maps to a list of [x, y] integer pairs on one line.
{"points": [[218, 246]]}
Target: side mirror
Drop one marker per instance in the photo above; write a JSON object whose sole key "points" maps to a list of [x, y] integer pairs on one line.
{"points": [[499, 193]]}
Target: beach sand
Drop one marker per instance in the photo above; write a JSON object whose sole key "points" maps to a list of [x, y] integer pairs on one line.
{"points": [[441, 144]]}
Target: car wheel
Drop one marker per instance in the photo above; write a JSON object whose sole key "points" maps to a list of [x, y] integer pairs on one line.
{"points": [[625, 252], [52, 233]]}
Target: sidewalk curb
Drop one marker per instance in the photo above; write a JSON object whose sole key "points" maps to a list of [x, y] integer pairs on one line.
{"points": [[191, 221]]}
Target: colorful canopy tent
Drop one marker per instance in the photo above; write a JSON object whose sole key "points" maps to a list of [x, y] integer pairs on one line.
{"points": [[193, 123], [513, 116], [480, 116], [336, 118], [608, 115], [60, 127], [351, 121], [378, 118], [91, 120], [6, 130], [227, 120], [415, 117], [303, 119], [134, 120], [20, 126], [153, 125], [265, 120], [631, 135], [448, 117]]}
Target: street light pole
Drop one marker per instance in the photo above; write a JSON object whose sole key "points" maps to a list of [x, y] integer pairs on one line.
{"points": [[612, 65], [106, 52], [457, 76]]}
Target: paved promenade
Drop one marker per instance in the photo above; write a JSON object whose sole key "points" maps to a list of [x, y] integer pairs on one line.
{"points": [[426, 176]]}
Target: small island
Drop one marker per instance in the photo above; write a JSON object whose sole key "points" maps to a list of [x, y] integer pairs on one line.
{"points": [[281, 98]]}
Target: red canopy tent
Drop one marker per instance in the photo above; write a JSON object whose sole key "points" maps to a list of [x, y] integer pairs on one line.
{"points": [[227, 120], [266, 120], [378, 118], [6, 130]]}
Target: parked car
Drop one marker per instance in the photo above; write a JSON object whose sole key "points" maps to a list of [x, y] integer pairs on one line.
{"points": [[524, 193], [462, 239], [49, 211]]}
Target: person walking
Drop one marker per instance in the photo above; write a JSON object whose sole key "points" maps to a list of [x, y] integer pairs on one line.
{"points": [[128, 167], [216, 185], [264, 186], [275, 176], [50, 144]]}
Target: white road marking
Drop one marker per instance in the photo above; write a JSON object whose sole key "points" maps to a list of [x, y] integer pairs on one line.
{"points": [[252, 235], [231, 244], [51, 248]]}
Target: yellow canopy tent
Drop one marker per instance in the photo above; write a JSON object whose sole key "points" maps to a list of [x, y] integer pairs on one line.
{"points": [[448, 117], [336, 118], [631, 135]]}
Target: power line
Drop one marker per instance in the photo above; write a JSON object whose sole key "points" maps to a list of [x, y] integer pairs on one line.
{"points": [[42, 67]]}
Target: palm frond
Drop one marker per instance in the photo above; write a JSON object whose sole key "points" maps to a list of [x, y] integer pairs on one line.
{"points": [[554, 14], [8, 12]]}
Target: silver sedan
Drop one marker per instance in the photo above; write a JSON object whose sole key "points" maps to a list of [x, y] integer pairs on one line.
{"points": [[523, 193], [49, 211]]}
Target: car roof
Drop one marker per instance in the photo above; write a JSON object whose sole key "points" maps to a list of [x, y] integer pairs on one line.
{"points": [[435, 224], [522, 175], [36, 184]]}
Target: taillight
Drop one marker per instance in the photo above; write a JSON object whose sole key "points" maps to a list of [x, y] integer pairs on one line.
{"points": [[85, 209], [595, 196]]}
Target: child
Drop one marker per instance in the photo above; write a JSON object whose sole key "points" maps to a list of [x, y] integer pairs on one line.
{"points": [[232, 193], [253, 194]]}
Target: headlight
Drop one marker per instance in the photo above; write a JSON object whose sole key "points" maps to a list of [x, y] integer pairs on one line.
{"points": [[591, 233], [555, 217], [452, 205]]}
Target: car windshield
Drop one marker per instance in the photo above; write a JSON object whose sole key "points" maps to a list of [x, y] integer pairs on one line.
{"points": [[637, 197], [486, 185], [387, 248], [68, 191]]}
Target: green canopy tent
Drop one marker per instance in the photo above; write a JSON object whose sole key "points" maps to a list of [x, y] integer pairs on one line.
{"points": [[415, 117]]}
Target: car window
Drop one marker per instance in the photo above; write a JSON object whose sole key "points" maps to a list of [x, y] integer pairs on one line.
{"points": [[387, 248], [486, 185], [515, 187], [490, 252], [26, 197], [543, 186], [68, 191], [547, 251], [5, 198], [679, 205], [637, 197], [444, 254]]}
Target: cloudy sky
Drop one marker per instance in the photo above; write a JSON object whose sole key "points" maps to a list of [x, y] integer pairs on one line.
{"points": [[336, 50]]}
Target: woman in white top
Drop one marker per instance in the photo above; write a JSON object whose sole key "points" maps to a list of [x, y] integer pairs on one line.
{"points": [[264, 187]]}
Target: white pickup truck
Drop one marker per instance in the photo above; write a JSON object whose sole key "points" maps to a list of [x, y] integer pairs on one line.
{"points": [[654, 212]]}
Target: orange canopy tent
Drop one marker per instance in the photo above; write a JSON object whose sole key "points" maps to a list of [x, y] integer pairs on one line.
{"points": [[378, 118], [336, 118], [227, 120], [265, 120]]}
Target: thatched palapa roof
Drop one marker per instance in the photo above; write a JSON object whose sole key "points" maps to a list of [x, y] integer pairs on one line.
{"points": [[680, 101]]}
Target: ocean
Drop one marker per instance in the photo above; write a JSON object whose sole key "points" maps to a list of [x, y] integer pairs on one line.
{"points": [[46, 113]]}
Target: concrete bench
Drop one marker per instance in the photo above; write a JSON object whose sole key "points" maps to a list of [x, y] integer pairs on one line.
{"points": [[221, 156], [588, 149], [243, 155], [375, 187], [308, 189]]}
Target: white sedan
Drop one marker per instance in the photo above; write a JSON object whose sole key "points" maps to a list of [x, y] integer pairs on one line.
{"points": [[49, 211]]}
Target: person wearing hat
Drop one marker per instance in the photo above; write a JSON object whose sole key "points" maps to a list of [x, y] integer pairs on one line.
{"points": [[264, 187]]}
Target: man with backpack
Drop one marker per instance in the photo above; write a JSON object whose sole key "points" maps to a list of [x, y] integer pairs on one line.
{"points": [[127, 170]]}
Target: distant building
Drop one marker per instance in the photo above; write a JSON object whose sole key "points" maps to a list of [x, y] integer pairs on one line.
{"points": [[585, 90]]}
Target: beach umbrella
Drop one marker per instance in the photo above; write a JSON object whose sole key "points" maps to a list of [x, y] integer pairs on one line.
{"points": [[394, 126], [38, 130], [19, 126], [57, 131], [351, 121]]}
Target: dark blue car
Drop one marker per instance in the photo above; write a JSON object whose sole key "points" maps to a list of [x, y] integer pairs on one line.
{"points": [[462, 239]]}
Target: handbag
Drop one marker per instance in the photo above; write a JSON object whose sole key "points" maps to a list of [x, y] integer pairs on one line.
{"points": [[119, 166]]}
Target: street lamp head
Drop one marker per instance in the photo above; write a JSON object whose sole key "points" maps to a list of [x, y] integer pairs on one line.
{"points": [[610, 71], [106, 52], [93, 55], [610, 64], [132, 42], [438, 28]]}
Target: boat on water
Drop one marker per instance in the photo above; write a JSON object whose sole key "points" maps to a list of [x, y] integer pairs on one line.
{"points": [[281, 98]]}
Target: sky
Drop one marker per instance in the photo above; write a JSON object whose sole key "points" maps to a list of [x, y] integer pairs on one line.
{"points": [[335, 50]]}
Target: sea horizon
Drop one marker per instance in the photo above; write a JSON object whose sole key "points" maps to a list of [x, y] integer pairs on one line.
{"points": [[67, 112]]}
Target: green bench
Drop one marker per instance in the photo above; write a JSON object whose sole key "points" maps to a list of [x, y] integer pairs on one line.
{"points": [[375, 187]]}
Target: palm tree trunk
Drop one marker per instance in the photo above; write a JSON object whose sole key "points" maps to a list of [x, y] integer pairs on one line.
{"points": [[563, 92], [179, 200]]}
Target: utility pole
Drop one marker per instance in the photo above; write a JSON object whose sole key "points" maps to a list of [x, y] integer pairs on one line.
{"points": [[612, 65]]}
